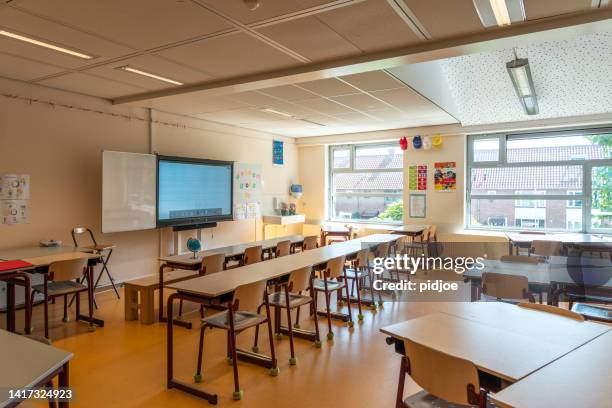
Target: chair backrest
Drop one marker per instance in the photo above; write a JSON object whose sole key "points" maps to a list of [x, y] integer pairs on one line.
{"points": [[532, 233], [252, 255], [520, 259], [283, 248], [80, 231], [504, 286], [433, 233], [382, 250], [212, 264], [67, 270], [335, 267], [361, 260], [249, 297], [546, 248], [310, 242], [553, 309], [300, 279], [440, 374]]}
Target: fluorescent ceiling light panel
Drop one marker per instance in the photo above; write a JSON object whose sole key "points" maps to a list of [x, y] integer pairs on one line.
{"points": [[44, 44], [149, 75], [519, 72], [276, 112], [500, 12]]}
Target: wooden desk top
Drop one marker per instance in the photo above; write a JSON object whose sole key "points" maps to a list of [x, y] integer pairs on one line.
{"points": [[499, 339], [578, 379], [408, 228], [42, 256], [221, 283], [566, 238], [26, 362], [334, 228], [229, 251]]}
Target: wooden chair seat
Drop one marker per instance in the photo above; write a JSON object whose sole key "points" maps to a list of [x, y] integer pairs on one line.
{"points": [[99, 247], [423, 399], [319, 284], [242, 320], [295, 300], [60, 288]]}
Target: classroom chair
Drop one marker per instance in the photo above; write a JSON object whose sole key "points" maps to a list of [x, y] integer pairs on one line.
{"points": [[447, 381], [339, 238], [358, 273], [419, 245], [552, 309], [252, 255], [507, 288], [62, 280], [433, 249], [210, 264], [290, 297], [333, 279], [242, 313], [106, 250], [546, 249], [283, 248], [382, 251], [310, 242], [520, 259]]}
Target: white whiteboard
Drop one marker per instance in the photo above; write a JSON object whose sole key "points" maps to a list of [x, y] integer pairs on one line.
{"points": [[129, 183]]}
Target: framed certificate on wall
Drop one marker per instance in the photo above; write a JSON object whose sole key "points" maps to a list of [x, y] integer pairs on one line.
{"points": [[417, 205]]}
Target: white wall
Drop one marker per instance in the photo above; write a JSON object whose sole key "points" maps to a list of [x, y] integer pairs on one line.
{"points": [[60, 148]]}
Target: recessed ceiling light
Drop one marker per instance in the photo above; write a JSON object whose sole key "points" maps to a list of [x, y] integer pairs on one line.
{"points": [[277, 112], [40, 43], [500, 12], [148, 74]]}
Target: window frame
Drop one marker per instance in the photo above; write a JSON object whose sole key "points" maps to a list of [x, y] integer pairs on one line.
{"points": [[352, 169], [502, 162]]}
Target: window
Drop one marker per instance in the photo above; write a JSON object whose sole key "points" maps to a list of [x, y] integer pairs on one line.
{"points": [[558, 180], [366, 183]]}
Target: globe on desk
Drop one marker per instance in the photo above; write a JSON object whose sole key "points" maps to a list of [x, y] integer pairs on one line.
{"points": [[194, 245]]}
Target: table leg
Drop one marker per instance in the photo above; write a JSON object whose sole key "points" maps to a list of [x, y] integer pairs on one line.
{"points": [[63, 382], [10, 306], [161, 292], [93, 322]]}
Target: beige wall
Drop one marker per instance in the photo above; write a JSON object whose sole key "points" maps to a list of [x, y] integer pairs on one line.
{"points": [[60, 148]]}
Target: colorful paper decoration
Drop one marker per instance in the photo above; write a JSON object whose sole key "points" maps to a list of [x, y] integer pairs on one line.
{"points": [[417, 142], [426, 142], [445, 176], [417, 177], [436, 141], [278, 153], [403, 142]]}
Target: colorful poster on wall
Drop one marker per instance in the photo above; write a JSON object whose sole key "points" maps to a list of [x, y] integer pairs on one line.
{"points": [[14, 212], [248, 182], [15, 187], [278, 153], [417, 177], [445, 176]]}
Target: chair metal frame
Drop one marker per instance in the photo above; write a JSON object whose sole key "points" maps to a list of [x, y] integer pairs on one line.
{"points": [[83, 230]]}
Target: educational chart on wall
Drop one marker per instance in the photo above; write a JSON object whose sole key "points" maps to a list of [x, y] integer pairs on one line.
{"points": [[417, 177], [278, 153], [14, 196], [248, 181], [445, 176]]}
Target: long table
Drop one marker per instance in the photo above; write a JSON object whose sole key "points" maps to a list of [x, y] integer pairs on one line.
{"points": [[232, 252], [17, 276], [28, 364], [579, 379], [222, 285], [503, 340], [42, 257], [410, 230], [588, 242]]}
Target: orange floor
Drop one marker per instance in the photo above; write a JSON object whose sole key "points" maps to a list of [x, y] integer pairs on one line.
{"points": [[124, 363]]}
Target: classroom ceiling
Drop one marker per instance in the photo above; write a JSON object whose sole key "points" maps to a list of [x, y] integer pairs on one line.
{"points": [[201, 41]]}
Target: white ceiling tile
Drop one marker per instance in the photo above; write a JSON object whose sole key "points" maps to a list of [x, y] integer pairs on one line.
{"points": [[192, 103], [266, 10], [91, 85], [326, 106], [403, 98], [23, 69], [136, 23], [288, 93], [535, 9], [254, 98], [443, 18], [230, 55], [373, 81], [328, 87], [361, 102], [370, 25], [310, 38]]}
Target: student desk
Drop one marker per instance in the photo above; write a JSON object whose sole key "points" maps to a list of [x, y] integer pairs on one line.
{"points": [[12, 277], [409, 230], [29, 364], [588, 242], [42, 257], [500, 339], [232, 252], [334, 231], [579, 379], [221, 286]]}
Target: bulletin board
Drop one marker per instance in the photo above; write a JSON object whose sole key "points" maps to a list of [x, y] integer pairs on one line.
{"points": [[248, 181]]}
